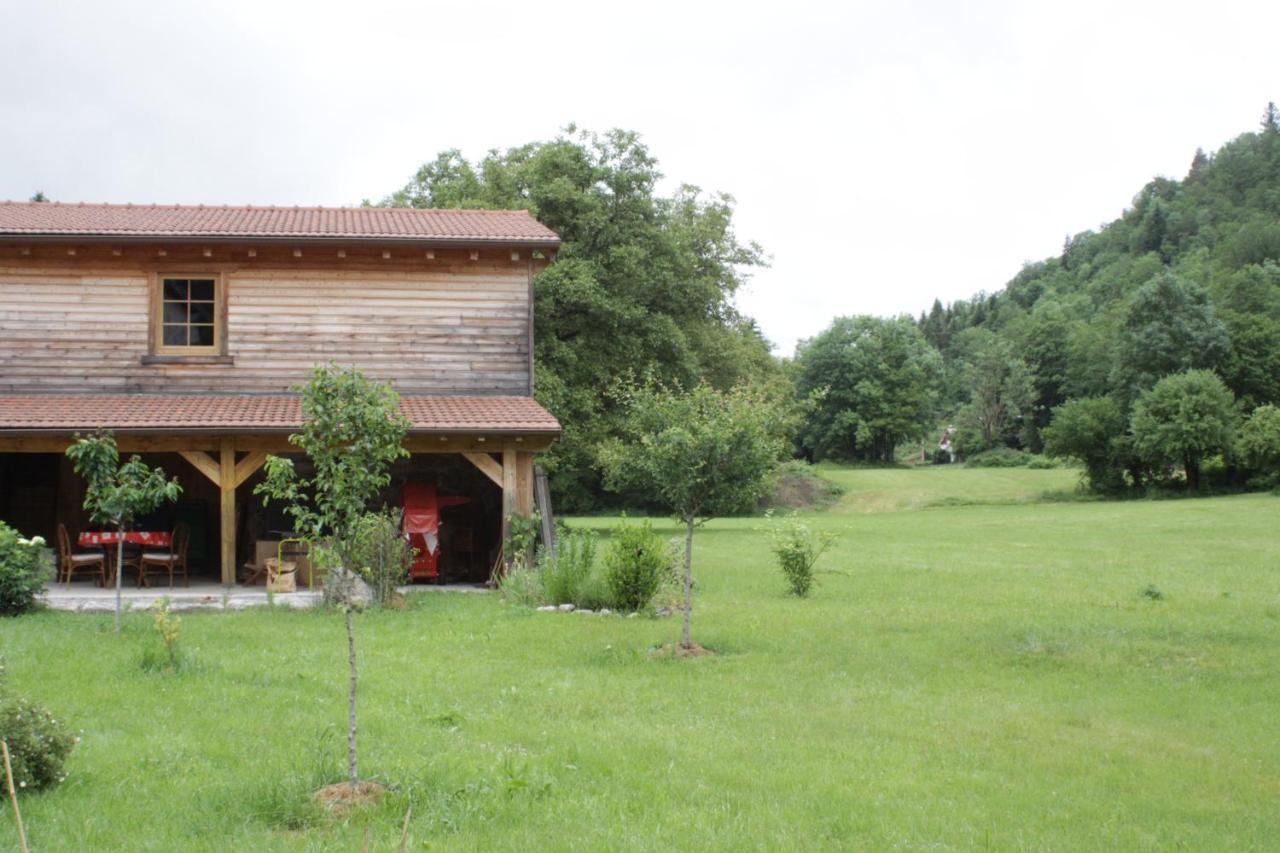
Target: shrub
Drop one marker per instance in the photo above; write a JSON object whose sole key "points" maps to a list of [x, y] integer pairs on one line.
{"points": [[1042, 463], [636, 563], [797, 485], [23, 571], [38, 743], [382, 554], [566, 574], [798, 548], [998, 457], [168, 628]]}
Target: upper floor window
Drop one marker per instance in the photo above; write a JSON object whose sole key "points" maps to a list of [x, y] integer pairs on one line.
{"points": [[188, 315]]}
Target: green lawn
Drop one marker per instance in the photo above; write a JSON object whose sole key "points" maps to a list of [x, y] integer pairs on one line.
{"points": [[972, 677]]}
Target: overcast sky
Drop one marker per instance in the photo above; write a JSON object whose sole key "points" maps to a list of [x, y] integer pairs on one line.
{"points": [[883, 154]]}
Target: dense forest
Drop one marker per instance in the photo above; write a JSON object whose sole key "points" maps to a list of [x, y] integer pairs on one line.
{"points": [[1142, 350]]}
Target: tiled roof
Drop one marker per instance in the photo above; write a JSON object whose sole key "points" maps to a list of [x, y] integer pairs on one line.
{"points": [[128, 221], [248, 412]]}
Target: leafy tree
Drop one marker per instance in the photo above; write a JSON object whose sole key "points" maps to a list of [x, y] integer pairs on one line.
{"points": [[1089, 429], [352, 432], [699, 454], [1184, 418], [1169, 327], [1259, 440], [874, 381], [1000, 387], [643, 284], [117, 494], [39, 196]]}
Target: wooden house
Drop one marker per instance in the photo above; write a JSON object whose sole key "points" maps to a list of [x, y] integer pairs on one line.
{"points": [[183, 329]]}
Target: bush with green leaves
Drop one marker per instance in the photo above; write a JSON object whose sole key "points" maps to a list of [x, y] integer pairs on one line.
{"points": [[637, 562], [797, 547], [38, 742], [567, 573], [1259, 440], [1184, 419], [23, 571], [999, 457], [381, 553]]}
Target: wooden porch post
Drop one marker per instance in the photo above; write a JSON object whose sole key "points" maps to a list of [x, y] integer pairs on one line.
{"points": [[508, 489], [227, 486], [524, 482]]}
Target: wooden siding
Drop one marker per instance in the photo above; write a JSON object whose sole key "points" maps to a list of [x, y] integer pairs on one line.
{"points": [[448, 326]]}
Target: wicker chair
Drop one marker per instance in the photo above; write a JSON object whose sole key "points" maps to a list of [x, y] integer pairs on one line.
{"points": [[175, 559], [70, 562]]}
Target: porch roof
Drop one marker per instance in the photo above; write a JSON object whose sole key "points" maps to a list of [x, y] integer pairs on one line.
{"points": [[252, 413]]}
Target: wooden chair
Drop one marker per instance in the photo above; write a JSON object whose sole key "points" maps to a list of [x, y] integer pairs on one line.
{"points": [[69, 562], [175, 559]]}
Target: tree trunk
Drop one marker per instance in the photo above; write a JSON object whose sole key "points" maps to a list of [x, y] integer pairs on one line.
{"points": [[688, 581], [353, 770], [1192, 468], [119, 573]]}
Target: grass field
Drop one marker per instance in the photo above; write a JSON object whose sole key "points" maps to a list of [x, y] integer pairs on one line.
{"points": [[987, 676]]}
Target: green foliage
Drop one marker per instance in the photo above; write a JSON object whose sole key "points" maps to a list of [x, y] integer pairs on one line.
{"points": [[643, 283], [1090, 430], [567, 575], [522, 537], [874, 383], [1183, 419], [1259, 440], [795, 484], [698, 454], [999, 457], [381, 553], [637, 563], [168, 628], [1169, 327], [23, 571], [1000, 390], [38, 743], [352, 431], [797, 547], [117, 494], [522, 585]]}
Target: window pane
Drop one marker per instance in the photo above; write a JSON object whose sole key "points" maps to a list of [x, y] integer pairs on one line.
{"points": [[175, 312], [202, 336], [175, 288], [175, 336], [202, 312], [202, 289]]}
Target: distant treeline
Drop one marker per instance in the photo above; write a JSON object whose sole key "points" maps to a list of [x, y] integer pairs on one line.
{"points": [[1182, 291]]}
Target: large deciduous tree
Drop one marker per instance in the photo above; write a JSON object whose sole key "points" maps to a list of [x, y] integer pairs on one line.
{"points": [[643, 284], [700, 454], [874, 383], [1000, 386], [1091, 430], [352, 432], [117, 494], [1183, 419]]}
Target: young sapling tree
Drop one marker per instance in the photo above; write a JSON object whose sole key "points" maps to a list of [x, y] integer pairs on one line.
{"points": [[117, 494], [700, 454], [352, 432]]}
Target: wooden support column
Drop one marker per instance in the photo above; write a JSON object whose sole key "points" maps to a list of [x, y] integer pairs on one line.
{"points": [[508, 489], [524, 482], [227, 484]]}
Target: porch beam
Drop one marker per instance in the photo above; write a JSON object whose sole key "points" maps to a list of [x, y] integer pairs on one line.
{"points": [[227, 477], [508, 492], [524, 482], [204, 463], [487, 465], [246, 466]]}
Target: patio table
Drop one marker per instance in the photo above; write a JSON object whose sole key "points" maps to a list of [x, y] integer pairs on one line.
{"points": [[107, 539]]}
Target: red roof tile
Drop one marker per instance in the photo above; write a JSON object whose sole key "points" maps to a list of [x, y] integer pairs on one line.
{"points": [[128, 221], [248, 413]]}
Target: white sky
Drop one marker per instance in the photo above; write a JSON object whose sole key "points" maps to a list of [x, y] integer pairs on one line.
{"points": [[883, 153]]}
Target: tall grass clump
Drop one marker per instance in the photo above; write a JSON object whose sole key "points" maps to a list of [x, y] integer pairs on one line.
{"points": [[636, 564], [568, 573]]}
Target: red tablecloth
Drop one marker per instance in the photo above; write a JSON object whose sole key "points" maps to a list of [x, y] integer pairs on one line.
{"points": [[136, 537]]}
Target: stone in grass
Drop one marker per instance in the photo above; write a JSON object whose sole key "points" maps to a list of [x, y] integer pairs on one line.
{"points": [[604, 611], [588, 612], [565, 608], [547, 608]]}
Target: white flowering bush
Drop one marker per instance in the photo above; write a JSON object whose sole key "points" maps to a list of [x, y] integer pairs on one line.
{"points": [[23, 571], [38, 742]]}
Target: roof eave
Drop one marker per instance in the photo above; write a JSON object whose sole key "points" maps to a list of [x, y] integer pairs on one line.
{"points": [[260, 240]]}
